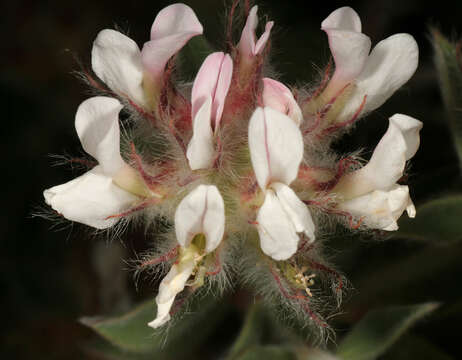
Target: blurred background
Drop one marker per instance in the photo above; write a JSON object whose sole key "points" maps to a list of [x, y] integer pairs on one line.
{"points": [[50, 277]]}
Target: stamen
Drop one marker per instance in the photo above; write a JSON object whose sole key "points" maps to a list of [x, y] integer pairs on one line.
{"points": [[303, 300]]}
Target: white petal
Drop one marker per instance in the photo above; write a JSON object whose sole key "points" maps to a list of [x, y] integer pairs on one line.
{"points": [[248, 46], [390, 65], [381, 209], [278, 97], [276, 147], [213, 80], [90, 199], [388, 160], [278, 237], [172, 284], [116, 59], [97, 124], [202, 211], [295, 209], [349, 47], [344, 18], [201, 148], [350, 51], [171, 30], [410, 129]]}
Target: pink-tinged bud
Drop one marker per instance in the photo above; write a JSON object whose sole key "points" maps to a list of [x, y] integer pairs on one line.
{"points": [[279, 97], [213, 80], [248, 46]]}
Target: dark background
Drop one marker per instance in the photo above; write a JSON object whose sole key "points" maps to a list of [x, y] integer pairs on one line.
{"points": [[48, 278]]}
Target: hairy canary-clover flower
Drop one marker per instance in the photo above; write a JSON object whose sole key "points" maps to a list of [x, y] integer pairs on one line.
{"points": [[237, 163]]}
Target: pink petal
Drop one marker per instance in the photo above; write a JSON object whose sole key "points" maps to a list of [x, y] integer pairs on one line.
{"points": [[248, 46], [171, 30], [278, 97], [213, 80]]}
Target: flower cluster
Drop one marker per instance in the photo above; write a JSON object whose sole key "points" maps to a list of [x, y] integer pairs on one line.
{"points": [[237, 163]]}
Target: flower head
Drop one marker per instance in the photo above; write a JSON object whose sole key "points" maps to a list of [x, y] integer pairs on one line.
{"points": [[240, 164]]}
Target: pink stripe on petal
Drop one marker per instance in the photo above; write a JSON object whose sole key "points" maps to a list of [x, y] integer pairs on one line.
{"points": [[212, 80], [222, 88], [276, 147]]}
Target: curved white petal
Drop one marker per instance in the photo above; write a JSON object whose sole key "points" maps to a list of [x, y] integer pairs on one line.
{"points": [[97, 125], [201, 149], [344, 18], [388, 160], [410, 129], [248, 45], [279, 97], [278, 237], [172, 284], [350, 51], [295, 209], [116, 59], [202, 211], [390, 65], [213, 80], [171, 30], [276, 147], [90, 199], [381, 209], [349, 47]]}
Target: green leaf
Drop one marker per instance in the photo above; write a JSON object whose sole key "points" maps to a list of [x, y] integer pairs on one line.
{"points": [[438, 220], [130, 332], [251, 332], [379, 329], [414, 347], [448, 62]]}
